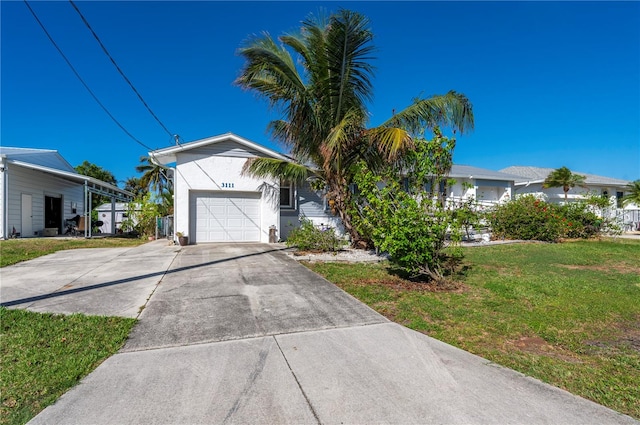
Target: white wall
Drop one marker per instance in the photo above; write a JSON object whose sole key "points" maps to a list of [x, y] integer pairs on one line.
{"points": [[3, 205], [216, 173], [556, 194], [38, 184]]}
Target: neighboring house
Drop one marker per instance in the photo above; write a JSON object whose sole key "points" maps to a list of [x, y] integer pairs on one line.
{"points": [[485, 186], [39, 190], [214, 202], [531, 179]]}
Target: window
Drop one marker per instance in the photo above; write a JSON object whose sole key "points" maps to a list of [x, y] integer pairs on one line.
{"points": [[619, 196], [286, 194]]}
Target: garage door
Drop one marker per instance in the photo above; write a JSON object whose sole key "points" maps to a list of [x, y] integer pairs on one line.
{"points": [[226, 217]]}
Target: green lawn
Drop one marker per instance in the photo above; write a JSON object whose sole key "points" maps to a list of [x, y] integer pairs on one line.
{"points": [[43, 355], [13, 251], [568, 314]]}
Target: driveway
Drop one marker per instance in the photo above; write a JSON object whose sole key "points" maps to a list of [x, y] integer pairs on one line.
{"points": [[244, 334]]}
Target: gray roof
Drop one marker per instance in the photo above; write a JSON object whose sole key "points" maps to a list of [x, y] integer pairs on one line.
{"points": [[51, 162], [45, 157], [467, 171], [538, 174]]}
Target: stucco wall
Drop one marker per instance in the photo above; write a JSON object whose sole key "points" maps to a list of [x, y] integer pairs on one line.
{"points": [[201, 172]]}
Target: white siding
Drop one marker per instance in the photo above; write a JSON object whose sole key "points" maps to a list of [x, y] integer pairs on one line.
{"points": [[38, 185], [3, 205]]}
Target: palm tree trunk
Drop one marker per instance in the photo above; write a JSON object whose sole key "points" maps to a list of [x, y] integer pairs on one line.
{"points": [[341, 197]]}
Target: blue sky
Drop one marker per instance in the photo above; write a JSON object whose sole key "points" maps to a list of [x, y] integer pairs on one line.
{"points": [[552, 83]]}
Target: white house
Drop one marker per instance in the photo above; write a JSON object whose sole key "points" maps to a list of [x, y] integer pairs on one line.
{"points": [[485, 186], [39, 189], [213, 201], [531, 178]]}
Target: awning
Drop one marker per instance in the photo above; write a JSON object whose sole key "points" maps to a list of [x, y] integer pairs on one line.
{"points": [[93, 185]]}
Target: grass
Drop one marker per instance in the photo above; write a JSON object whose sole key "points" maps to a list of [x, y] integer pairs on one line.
{"points": [[567, 314], [13, 251], [43, 355]]}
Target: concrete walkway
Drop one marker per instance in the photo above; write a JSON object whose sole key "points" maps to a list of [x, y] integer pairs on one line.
{"points": [[244, 334]]}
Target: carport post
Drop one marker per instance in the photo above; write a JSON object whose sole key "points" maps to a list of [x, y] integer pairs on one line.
{"points": [[87, 220], [113, 215]]}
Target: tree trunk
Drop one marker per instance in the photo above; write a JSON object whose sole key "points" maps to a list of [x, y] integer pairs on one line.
{"points": [[341, 197]]}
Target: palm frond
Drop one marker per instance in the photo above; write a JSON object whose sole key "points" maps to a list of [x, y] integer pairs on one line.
{"points": [[451, 110], [349, 51], [390, 141], [276, 168], [270, 70], [633, 197]]}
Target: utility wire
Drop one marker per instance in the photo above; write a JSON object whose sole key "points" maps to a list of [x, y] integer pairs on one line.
{"points": [[104, 49], [82, 81]]}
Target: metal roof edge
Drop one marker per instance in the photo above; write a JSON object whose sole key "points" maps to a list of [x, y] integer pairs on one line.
{"points": [[69, 175], [172, 150]]}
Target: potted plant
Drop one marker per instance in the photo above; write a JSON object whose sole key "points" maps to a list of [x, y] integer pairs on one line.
{"points": [[182, 239]]}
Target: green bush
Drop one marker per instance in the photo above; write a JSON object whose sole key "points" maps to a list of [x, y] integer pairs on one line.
{"points": [[404, 217], [310, 238], [529, 218], [580, 221]]}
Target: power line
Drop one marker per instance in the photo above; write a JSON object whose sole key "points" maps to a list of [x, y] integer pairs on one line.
{"points": [[82, 81], [106, 52]]}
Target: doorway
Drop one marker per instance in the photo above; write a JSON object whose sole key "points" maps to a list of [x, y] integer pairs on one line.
{"points": [[26, 215], [53, 213]]}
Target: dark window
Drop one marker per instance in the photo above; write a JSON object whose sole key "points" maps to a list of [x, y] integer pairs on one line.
{"points": [[619, 196], [286, 194]]}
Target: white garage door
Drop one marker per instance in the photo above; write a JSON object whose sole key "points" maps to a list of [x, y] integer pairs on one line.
{"points": [[226, 216]]}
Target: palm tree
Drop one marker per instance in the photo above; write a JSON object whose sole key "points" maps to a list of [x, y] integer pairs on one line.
{"points": [[633, 197], [154, 176], [564, 178], [135, 186], [322, 91]]}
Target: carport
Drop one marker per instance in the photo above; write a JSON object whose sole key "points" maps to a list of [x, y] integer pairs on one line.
{"points": [[91, 187]]}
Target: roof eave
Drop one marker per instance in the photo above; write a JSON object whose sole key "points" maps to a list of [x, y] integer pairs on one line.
{"points": [[169, 155]]}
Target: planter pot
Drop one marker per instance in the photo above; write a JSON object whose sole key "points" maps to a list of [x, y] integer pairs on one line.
{"points": [[183, 240]]}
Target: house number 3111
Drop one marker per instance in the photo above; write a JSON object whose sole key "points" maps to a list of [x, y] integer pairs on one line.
{"points": [[227, 185]]}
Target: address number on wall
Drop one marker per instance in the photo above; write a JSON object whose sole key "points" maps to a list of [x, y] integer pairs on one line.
{"points": [[227, 185]]}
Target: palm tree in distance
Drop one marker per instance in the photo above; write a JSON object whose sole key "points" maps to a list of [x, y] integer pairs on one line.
{"points": [[319, 79], [564, 178], [633, 197], [135, 186], [154, 176]]}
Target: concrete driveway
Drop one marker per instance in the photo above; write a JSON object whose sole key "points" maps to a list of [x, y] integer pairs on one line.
{"points": [[244, 334]]}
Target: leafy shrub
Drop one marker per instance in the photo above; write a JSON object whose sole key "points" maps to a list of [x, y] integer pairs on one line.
{"points": [[310, 238], [529, 218], [404, 218], [580, 221]]}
